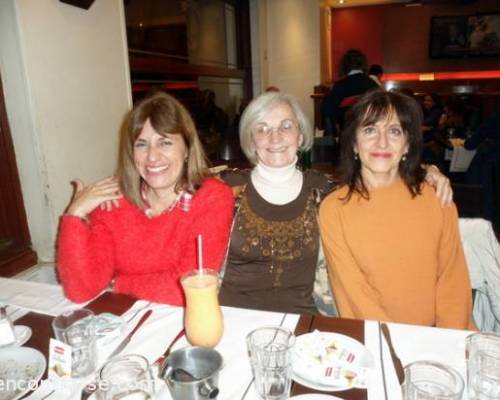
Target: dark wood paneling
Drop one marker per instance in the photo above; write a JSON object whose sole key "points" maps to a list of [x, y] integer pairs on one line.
{"points": [[15, 250], [162, 65]]}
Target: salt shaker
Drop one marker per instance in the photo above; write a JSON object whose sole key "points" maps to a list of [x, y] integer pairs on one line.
{"points": [[7, 335]]}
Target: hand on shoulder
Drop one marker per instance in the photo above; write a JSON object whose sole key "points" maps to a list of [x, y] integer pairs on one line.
{"points": [[86, 198]]}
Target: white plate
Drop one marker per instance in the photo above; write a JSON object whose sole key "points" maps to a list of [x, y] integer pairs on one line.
{"points": [[318, 354], [21, 367], [23, 333], [315, 397]]}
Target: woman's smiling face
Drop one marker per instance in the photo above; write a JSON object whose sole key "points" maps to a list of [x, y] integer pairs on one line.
{"points": [[277, 137], [159, 159]]}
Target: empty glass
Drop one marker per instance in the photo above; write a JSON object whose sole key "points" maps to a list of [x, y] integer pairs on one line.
{"points": [[428, 380], [77, 328], [126, 378], [269, 349], [483, 366]]}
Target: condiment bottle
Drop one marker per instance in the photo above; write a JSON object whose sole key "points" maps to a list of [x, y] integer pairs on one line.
{"points": [[7, 335]]}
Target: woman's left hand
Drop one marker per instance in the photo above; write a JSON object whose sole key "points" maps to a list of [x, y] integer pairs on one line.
{"points": [[441, 183]]}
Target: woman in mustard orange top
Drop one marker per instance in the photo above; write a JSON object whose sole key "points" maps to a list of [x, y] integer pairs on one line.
{"points": [[394, 253]]}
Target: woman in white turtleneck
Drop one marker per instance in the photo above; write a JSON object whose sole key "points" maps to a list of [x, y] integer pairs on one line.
{"points": [[275, 239], [274, 249]]}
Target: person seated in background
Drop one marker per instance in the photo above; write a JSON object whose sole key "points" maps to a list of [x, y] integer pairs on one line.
{"points": [[375, 72], [452, 122], [433, 110], [165, 199], [486, 140], [394, 254], [433, 152], [345, 92], [275, 261], [212, 122]]}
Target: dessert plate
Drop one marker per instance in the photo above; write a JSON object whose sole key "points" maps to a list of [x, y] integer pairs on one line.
{"points": [[330, 362], [22, 334], [20, 370]]}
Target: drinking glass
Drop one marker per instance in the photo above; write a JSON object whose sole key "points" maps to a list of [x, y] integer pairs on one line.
{"points": [[483, 366], [126, 377], [269, 349], [77, 328], [429, 380], [202, 317]]}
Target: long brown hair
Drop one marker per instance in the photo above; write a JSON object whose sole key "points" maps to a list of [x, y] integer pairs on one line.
{"points": [[370, 108], [166, 115]]}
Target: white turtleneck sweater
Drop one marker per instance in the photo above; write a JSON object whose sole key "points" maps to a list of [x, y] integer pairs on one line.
{"points": [[277, 185]]}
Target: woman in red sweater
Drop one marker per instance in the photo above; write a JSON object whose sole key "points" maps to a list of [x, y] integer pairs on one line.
{"points": [[165, 200]]}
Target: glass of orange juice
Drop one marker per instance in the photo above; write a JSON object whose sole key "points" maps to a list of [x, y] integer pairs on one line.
{"points": [[203, 316]]}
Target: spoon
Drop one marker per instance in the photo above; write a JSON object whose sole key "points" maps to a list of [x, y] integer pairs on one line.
{"points": [[177, 374]]}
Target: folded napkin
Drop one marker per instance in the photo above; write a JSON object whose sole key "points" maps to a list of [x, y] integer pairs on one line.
{"points": [[42, 298], [376, 379]]}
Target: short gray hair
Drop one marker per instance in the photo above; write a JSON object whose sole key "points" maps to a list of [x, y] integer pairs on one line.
{"points": [[259, 108]]}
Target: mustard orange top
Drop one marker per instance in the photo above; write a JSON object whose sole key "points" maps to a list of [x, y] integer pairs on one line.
{"points": [[396, 258]]}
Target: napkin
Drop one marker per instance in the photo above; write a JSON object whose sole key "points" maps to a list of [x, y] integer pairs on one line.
{"points": [[417, 343], [446, 346], [375, 385], [42, 298]]}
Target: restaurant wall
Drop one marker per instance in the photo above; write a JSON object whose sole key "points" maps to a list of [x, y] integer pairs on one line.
{"points": [[292, 48], [67, 88], [404, 35], [356, 28]]}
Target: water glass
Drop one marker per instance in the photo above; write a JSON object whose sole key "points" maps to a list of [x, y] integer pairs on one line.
{"points": [[269, 349], [77, 328], [126, 377], [483, 366], [428, 380]]}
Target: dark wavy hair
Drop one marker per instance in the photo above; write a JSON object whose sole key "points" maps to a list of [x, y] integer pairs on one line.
{"points": [[353, 59], [370, 108]]}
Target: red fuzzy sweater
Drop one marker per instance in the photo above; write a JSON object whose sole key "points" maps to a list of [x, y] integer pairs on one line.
{"points": [[145, 257]]}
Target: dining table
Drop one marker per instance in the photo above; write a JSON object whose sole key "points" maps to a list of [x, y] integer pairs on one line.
{"points": [[235, 379]]}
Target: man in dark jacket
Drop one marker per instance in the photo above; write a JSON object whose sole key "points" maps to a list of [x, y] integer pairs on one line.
{"points": [[346, 91]]}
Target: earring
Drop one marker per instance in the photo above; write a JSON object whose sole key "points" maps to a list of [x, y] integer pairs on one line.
{"points": [[356, 156], [403, 159]]}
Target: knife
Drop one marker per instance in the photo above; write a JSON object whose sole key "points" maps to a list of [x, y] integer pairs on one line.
{"points": [[398, 365], [126, 341]]}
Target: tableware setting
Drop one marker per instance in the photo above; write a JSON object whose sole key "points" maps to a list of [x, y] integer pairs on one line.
{"points": [[483, 366], [20, 370], [330, 362], [429, 380], [192, 373], [77, 329], [270, 353], [203, 321], [125, 377]]}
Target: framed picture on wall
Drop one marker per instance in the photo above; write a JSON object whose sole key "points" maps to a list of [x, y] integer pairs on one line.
{"points": [[465, 36]]}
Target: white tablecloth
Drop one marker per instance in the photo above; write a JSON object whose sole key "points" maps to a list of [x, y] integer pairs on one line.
{"points": [[411, 342]]}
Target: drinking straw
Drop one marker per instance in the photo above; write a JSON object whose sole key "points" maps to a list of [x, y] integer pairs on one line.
{"points": [[200, 255]]}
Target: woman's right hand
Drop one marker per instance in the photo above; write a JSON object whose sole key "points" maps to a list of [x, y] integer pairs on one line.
{"points": [[87, 198]]}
